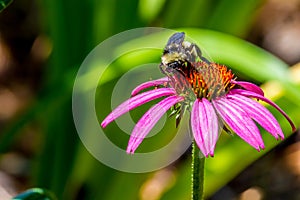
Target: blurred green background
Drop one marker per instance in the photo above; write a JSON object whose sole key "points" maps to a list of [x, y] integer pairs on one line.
{"points": [[42, 45]]}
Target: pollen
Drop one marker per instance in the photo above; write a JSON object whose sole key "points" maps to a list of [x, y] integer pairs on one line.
{"points": [[207, 80]]}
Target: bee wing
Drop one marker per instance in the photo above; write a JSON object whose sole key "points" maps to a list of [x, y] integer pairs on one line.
{"points": [[176, 38]]}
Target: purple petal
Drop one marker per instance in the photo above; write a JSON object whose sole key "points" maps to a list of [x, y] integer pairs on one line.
{"points": [[148, 120], [259, 113], [148, 84], [260, 97], [249, 86], [136, 101], [239, 122], [205, 127]]}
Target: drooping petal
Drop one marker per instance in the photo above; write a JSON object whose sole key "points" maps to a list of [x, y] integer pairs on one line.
{"points": [[148, 120], [259, 113], [260, 97], [205, 127], [148, 84], [239, 122], [136, 101], [249, 86]]}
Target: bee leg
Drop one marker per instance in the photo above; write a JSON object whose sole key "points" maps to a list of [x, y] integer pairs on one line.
{"points": [[199, 54]]}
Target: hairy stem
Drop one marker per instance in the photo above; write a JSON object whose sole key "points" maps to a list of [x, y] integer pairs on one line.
{"points": [[197, 173]]}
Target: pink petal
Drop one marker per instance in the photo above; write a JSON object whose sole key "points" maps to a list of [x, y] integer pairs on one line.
{"points": [[257, 96], [249, 86], [239, 122], [205, 127], [148, 120], [259, 113], [148, 84], [136, 101]]}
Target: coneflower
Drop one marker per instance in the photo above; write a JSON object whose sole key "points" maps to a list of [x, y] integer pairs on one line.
{"points": [[209, 91]]}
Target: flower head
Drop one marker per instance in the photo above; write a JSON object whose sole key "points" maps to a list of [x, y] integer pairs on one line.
{"points": [[209, 92]]}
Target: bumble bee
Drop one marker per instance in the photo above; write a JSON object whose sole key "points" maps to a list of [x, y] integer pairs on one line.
{"points": [[178, 61], [179, 55]]}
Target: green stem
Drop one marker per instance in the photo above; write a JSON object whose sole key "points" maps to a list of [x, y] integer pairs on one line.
{"points": [[197, 173]]}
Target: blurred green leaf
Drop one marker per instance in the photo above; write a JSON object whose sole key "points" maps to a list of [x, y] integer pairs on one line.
{"points": [[35, 194], [233, 17], [243, 57], [149, 9], [4, 4]]}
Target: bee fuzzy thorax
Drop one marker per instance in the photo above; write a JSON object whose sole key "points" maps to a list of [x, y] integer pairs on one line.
{"points": [[171, 57]]}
